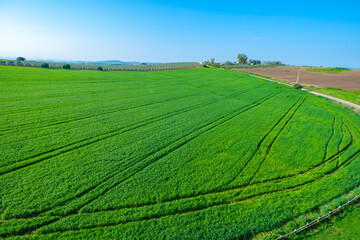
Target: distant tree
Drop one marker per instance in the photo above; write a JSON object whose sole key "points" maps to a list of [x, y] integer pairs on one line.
{"points": [[278, 63], [143, 63], [66, 66], [242, 58], [44, 65], [255, 62], [100, 69], [212, 61], [227, 63], [20, 59]]}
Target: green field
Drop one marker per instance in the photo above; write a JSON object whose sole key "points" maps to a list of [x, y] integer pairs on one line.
{"points": [[328, 70], [185, 154], [345, 226], [351, 96], [108, 67]]}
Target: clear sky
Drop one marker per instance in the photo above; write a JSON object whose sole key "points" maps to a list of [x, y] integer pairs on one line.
{"points": [[321, 33]]}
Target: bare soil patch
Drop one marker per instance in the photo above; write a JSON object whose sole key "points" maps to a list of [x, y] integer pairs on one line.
{"points": [[345, 80]]}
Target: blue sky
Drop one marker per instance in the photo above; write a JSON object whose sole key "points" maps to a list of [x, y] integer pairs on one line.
{"points": [[321, 33]]}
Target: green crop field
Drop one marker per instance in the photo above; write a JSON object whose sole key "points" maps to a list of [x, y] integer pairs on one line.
{"points": [[328, 70], [184, 154]]}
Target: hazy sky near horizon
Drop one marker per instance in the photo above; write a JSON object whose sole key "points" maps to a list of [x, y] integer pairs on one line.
{"points": [[321, 33]]}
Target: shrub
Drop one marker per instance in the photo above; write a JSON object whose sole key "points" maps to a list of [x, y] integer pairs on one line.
{"points": [[66, 66], [44, 65], [297, 86], [100, 69]]}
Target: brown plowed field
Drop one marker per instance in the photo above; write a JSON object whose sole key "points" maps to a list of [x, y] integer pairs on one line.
{"points": [[345, 80]]}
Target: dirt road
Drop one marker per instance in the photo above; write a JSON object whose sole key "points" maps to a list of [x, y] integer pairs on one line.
{"points": [[346, 103]]}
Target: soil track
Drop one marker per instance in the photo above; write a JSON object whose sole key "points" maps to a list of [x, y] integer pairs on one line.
{"points": [[345, 80]]}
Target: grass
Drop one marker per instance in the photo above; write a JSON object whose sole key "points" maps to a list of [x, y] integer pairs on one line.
{"points": [[328, 70], [351, 96], [197, 153], [343, 226], [6, 60]]}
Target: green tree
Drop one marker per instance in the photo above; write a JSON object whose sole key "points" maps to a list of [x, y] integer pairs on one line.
{"points": [[44, 65], [212, 61], [20, 59], [242, 58], [66, 66], [100, 69]]}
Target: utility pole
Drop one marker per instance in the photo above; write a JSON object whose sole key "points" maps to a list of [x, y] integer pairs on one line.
{"points": [[297, 80]]}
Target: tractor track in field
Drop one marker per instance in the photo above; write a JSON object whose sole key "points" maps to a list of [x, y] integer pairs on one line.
{"points": [[329, 139], [232, 115], [182, 141], [72, 119], [344, 164], [354, 154], [79, 103], [281, 178], [184, 211], [84, 142], [264, 155], [156, 215], [340, 142], [186, 109], [258, 145], [29, 126], [296, 187], [271, 180], [146, 218], [75, 119], [64, 95]]}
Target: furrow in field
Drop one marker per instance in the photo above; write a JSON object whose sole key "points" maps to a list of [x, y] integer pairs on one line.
{"points": [[171, 212], [151, 119], [341, 140], [187, 210], [78, 103], [249, 106], [75, 92], [331, 135], [264, 155], [257, 185], [154, 157], [51, 121], [261, 141], [75, 119], [87, 141], [357, 154]]}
